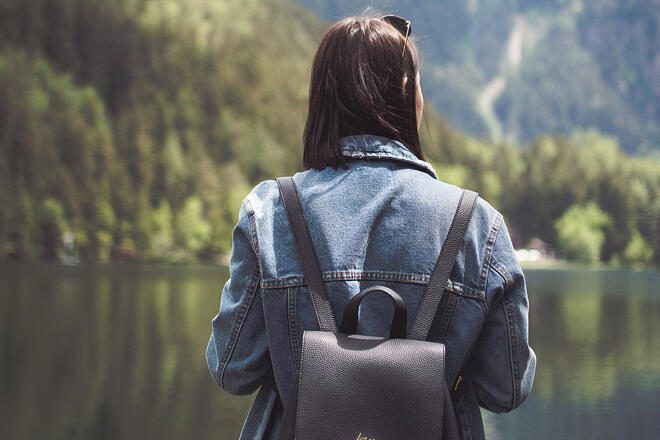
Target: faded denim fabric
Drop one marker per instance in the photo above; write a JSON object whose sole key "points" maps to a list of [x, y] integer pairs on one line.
{"points": [[382, 221]]}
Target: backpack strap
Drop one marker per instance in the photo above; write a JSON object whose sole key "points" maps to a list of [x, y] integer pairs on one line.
{"points": [[438, 282], [308, 259]]}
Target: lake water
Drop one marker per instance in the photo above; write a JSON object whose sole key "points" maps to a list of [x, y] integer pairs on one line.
{"points": [[117, 352]]}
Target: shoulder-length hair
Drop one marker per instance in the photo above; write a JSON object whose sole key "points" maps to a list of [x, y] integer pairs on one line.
{"points": [[356, 87]]}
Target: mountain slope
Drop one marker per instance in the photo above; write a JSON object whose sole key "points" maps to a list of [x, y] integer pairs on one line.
{"points": [[133, 129], [190, 102], [519, 69]]}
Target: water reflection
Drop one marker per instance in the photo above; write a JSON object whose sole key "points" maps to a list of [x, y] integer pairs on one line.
{"points": [[111, 352], [117, 351], [597, 336]]}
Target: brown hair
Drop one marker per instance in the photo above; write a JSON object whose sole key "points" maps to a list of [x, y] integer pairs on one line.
{"points": [[356, 87]]}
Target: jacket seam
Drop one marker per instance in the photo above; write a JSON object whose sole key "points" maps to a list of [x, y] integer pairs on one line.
{"points": [[502, 271], [513, 346], [238, 326], [352, 275], [450, 306], [473, 341], [248, 211], [488, 253], [378, 147], [488, 250], [252, 226], [419, 165], [293, 328]]}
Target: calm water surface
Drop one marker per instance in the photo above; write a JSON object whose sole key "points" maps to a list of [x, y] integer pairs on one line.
{"points": [[117, 352]]}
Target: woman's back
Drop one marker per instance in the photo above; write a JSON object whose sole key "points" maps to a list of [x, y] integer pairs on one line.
{"points": [[381, 221]]}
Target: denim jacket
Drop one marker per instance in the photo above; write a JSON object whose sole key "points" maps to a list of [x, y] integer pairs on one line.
{"points": [[382, 221]]}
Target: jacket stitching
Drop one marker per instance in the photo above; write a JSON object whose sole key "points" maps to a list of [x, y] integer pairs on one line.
{"points": [[446, 316], [293, 331], [352, 275], [254, 241], [501, 270], [488, 253], [488, 250], [238, 326], [513, 346], [383, 148], [419, 166]]}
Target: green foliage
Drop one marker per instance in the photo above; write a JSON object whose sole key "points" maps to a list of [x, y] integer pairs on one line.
{"points": [[103, 244], [536, 184], [122, 110], [56, 146], [638, 251], [138, 130], [52, 224], [52, 213], [581, 232], [194, 231], [162, 235], [454, 174]]}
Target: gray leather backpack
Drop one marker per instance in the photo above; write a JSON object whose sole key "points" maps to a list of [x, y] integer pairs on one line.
{"points": [[356, 387]]}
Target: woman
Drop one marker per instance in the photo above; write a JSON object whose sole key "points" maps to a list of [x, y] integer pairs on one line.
{"points": [[377, 215]]}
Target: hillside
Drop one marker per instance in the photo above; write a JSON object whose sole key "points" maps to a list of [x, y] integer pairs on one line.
{"points": [[516, 70], [139, 125], [133, 130]]}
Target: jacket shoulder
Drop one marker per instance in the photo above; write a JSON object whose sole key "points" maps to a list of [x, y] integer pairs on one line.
{"points": [[262, 197], [480, 237], [484, 213]]}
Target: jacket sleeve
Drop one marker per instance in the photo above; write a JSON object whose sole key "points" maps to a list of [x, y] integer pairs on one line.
{"points": [[237, 351], [502, 364]]}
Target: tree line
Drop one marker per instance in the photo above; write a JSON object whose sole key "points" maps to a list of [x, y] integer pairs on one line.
{"points": [[133, 130]]}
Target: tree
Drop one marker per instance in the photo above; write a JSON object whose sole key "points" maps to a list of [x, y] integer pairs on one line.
{"points": [[581, 232]]}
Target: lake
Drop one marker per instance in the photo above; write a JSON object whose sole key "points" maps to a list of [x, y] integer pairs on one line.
{"points": [[117, 352]]}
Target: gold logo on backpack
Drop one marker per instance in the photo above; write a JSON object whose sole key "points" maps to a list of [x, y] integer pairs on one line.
{"points": [[364, 437]]}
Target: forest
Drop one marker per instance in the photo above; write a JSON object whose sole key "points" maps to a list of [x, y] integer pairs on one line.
{"points": [[519, 69], [133, 129]]}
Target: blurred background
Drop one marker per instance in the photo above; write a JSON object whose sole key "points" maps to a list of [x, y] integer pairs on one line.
{"points": [[131, 130]]}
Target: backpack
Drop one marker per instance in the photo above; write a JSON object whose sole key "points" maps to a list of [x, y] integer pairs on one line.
{"points": [[358, 387]]}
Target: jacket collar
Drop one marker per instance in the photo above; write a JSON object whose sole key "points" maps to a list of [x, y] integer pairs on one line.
{"points": [[367, 146]]}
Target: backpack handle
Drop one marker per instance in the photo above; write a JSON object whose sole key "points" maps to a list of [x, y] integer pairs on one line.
{"points": [[349, 321]]}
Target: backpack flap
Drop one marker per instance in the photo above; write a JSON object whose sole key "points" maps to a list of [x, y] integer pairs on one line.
{"points": [[363, 387]]}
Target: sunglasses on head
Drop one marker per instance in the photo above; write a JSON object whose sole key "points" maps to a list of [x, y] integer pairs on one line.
{"points": [[402, 25]]}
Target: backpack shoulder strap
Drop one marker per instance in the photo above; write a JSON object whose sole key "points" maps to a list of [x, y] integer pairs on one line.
{"points": [[436, 286], [307, 255]]}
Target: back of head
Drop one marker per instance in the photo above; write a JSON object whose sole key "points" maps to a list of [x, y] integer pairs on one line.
{"points": [[357, 87]]}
